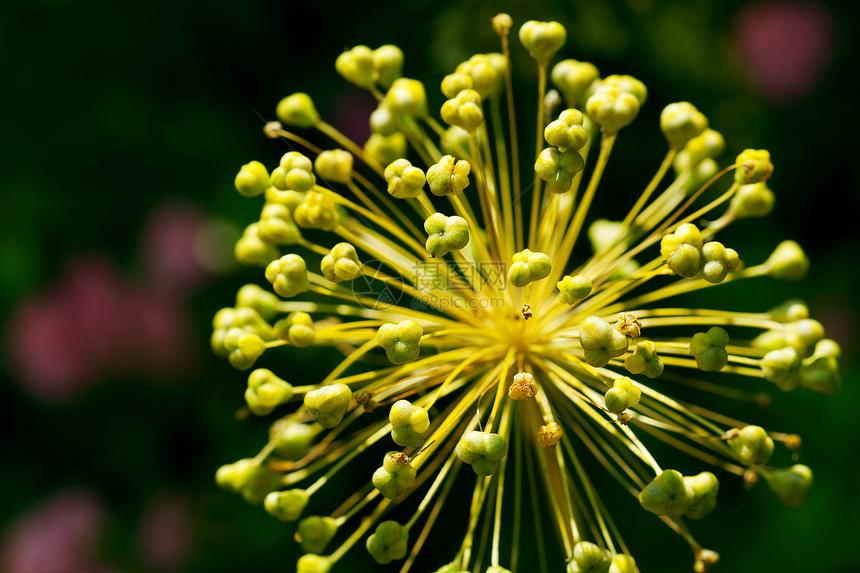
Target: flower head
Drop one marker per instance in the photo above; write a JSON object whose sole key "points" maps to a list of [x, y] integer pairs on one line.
{"points": [[485, 338]]}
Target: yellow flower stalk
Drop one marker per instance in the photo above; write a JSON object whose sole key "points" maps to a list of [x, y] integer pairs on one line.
{"points": [[472, 335]]}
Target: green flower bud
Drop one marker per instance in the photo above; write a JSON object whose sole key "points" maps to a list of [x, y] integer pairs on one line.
{"points": [[288, 275], [286, 505], [395, 476], [341, 264], [644, 360], [497, 569], [753, 166], [449, 176], [667, 494], [401, 341], [464, 110], [709, 144], [528, 267], [788, 261], [450, 568], [384, 120], [288, 198], [566, 132], [699, 174], [790, 484], [820, 372], [751, 445], [357, 66], [334, 165], [248, 478], [385, 149], [216, 342], [319, 211], [298, 328], [681, 122], [452, 84], [685, 261], [276, 225], [243, 318], [482, 450], [572, 289], [293, 442], [243, 347], [445, 234], [314, 533], [780, 367], [388, 542], [388, 64], [600, 341], [409, 423], [260, 300], [704, 487], [499, 63], [295, 173], [297, 110], [827, 347], [310, 563], [789, 311], [753, 200], [252, 251], [612, 109], [328, 404], [627, 270], [623, 394], [803, 335], [454, 139], [407, 97], [709, 349], [683, 250], [233, 477], [627, 84], [604, 233], [718, 261], [266, 391], [404, 180], [486, 78], [589, 558], [252, 179], [573, 79], [686, 234], [622, 563], [557, 168], [542, 39]]}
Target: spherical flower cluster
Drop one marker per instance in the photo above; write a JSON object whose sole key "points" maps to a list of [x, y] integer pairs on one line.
{"points": [[482, 340]]}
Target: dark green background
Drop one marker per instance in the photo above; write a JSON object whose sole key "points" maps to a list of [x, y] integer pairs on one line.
{"points": [[111, 107]]}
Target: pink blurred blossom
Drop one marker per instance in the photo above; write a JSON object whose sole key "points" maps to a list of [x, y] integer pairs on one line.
{"points": [[94, 323], [57, 536], [60, 338], [164, 538], [167, 246], [784, 47]]}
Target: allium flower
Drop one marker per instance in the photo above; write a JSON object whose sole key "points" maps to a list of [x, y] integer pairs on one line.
{"points": [[484, 340]]}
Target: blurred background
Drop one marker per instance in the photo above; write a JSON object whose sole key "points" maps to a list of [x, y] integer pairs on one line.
{"points": [[124, 125]]}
